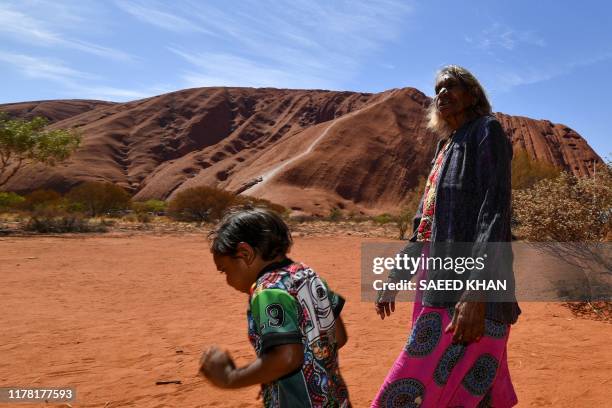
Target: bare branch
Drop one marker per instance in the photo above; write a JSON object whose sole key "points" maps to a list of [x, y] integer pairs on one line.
{"points": [[12, 173]]}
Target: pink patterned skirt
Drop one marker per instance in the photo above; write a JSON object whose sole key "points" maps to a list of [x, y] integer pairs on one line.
{"points": [[432, 372]]}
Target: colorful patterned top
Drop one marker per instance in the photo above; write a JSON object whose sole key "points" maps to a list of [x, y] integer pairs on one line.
{"points": [[429, 196], [290, 303]]}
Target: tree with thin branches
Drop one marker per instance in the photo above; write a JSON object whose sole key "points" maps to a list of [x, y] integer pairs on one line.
{"points": [[25, 142]]}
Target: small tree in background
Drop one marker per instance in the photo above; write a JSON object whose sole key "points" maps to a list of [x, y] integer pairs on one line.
{"points": [[258, 202], [527, 171], [207, 204], [39, 199], [23, 142], [200, 204], [97, 198]]}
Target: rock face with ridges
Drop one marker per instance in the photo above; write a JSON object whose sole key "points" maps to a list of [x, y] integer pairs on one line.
{"points": [[313, 149], [550, 142], [54, 111]]}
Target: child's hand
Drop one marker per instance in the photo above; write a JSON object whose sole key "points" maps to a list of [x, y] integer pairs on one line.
{"points": [[216, 365]]}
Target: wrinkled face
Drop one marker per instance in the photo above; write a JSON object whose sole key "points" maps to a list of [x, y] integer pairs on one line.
{"points": [[238, 273], [452, 98]]}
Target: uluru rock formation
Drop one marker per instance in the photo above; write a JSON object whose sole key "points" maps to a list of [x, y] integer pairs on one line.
{"points": [[312, 149], [54, 111]]}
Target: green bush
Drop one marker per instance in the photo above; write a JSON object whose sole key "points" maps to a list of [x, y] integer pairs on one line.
{"points": [[96, 198], [10, 201], [335, 214], [383, 218], [157, 207]]}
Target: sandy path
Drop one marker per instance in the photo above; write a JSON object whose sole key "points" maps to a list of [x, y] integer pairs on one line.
{"points": [[107, 315], [268, 175]]}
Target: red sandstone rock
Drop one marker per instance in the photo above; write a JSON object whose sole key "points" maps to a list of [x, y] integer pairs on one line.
{"points": [[315, 149]]}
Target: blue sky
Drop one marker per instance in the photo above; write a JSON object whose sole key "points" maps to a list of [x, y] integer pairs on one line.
{"points": [[542, 59]]}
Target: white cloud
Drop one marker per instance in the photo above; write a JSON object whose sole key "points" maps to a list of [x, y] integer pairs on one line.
{"points": [[75, 83], [501, 36], [112, 93], [23, 27], [160, 18], [296, 43], [219, 69], [43, 68], [507, 78]]}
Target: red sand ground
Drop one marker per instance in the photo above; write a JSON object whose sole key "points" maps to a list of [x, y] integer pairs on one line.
{"points": [[107, 315]]}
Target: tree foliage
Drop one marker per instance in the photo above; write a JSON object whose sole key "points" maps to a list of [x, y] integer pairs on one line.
{"points": [[10, 200], [200, 204], [258, 202], [23, 142], [98, 198], [207, 204]]}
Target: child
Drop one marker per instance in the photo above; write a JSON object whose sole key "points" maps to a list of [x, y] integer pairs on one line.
{"points": [[293, 317]]}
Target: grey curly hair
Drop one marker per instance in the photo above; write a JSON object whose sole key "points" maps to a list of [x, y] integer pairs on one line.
{"points": [[480, 107]]}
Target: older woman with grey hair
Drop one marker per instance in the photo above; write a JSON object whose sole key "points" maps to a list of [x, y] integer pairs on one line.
{"points": [[456, 353]]}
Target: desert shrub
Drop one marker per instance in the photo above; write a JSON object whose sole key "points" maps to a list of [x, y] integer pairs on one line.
{"points": [[357, 216], [566, 208], [200, 204], [404, 221], [410, 207], [575, 210], [301, 218], [335, 214], [96, 198], [39, 199], [130, 218], [156, 207], [258, 202], [10, 201], [527, 171], [50, 220], [383, 218], [143, 217], [207, 204]]}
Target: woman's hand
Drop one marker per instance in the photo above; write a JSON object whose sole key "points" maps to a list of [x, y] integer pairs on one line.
{"points": [[385, 303], [384, 308], [216, 365], [468, 322]]}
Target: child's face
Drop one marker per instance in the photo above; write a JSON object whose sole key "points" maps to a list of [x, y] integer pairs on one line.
{"points": [[240, 270]]}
